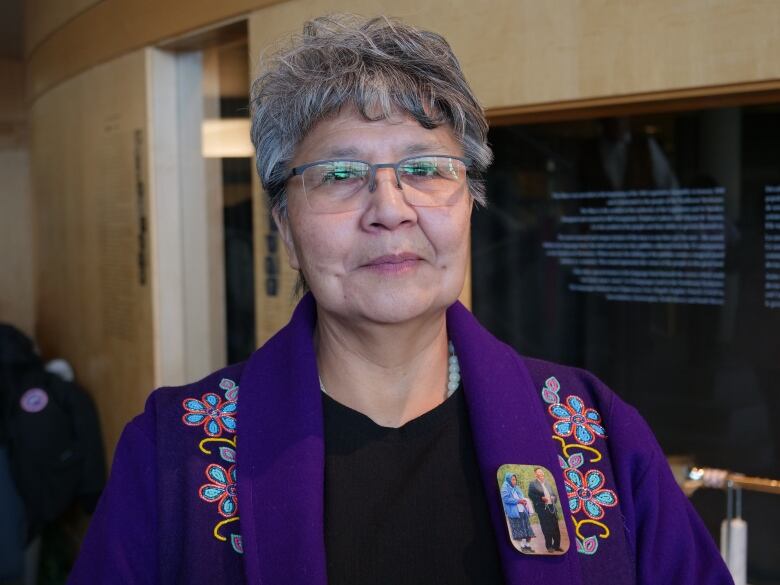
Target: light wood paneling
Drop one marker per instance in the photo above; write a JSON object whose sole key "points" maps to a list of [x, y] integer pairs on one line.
{"points": [[274, 279], [113, 27], [16, 240], [233, 67], [514, 51], [518, 52], [721, 96], [94, 301], [521, 56], [42, 17], [16, 218], [12, 90], [13, 111]]}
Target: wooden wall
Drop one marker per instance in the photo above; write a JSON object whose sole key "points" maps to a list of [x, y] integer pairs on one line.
{"points": [[94, 299], [515, 51], [16, 216], [521, 52], [111, 28], [44, 17], [86, 87]]}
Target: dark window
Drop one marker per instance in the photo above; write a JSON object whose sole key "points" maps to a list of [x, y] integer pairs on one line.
{"points": [[646, 249]]}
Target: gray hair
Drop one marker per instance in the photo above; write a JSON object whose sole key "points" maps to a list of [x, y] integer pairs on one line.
{"points": [[380, 66]]}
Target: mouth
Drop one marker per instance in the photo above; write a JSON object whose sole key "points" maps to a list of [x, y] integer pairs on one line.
{"points": [[393, 263]]}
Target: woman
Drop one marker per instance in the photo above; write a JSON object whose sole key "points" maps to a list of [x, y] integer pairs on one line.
{"points": [[371, 426], [517, 512]]}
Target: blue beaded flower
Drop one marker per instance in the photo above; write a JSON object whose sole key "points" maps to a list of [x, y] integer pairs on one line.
{"points": [[586, 492], [222, 489], [574, 420], [211, 412]]}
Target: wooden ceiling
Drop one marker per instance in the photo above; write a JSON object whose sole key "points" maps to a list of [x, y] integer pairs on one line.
{"points": [[11, 27]]}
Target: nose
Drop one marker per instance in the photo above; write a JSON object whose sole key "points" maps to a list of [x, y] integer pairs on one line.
{"points": [[387, 207], [386, 168]]}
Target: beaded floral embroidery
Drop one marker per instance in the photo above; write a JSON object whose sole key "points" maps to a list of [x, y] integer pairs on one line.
{"points": [[217, 416], [588, 497], [576, 420], [222, 489], [211, 412]]}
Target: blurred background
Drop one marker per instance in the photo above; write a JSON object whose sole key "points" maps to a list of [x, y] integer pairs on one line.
{"points": [[633, 227]]}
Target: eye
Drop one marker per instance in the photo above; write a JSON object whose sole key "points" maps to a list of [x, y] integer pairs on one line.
{"points": [[341, 172], [432, 169], [420, 168]]}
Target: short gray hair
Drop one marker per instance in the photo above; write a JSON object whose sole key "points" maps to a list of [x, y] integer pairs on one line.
{"points": [[378, 65]]}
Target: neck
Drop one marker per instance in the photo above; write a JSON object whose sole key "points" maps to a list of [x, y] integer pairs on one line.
{"points": [[390, 373]]}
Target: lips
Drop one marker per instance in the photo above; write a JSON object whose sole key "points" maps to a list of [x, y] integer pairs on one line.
{"points": [[393, 264], [404, 257]]}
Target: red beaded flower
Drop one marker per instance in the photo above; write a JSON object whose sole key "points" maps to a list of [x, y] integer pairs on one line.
{"points": [[574, 420]]}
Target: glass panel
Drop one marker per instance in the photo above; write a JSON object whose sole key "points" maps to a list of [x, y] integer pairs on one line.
{"points": [[647, 250], [237, 200], [239, 254]]}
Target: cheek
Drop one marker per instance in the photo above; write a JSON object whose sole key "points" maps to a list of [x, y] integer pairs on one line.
{"points": [[321, 246], [449, 233]]}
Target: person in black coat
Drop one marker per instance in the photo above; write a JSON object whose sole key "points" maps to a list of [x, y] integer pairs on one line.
{"points": [[50, 428], [544, 498]]}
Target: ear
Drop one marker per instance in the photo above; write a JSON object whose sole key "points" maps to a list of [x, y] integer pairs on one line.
{"points": [[283, 226]]}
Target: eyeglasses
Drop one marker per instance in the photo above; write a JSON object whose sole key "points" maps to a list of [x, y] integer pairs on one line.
{"points": [[335, 186]]}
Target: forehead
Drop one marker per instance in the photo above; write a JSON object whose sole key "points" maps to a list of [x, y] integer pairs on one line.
{"points": [[349, 135]]}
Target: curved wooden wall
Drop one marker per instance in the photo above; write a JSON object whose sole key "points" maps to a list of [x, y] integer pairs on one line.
{"points": [[515, 52], [94, 295], [87, 70], [520, 53], [111, 28], [43, 17], [16, 239]]}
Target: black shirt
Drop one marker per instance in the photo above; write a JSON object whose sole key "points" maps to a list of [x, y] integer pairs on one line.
{"points": [[406, 505]]}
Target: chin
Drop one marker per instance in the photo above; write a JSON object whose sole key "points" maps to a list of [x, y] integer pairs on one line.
{"points": [[396, 307], [390, 301], [393, 313]]}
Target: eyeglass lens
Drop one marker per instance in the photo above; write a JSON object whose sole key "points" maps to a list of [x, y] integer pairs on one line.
{"points": [[428, 181]]}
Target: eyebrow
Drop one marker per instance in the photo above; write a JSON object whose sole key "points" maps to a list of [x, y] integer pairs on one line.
{"points": [[412, 149], [424, 147], [349, 151]]}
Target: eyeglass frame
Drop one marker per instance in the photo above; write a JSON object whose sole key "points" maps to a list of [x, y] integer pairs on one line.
{"points": [[372, 168]]}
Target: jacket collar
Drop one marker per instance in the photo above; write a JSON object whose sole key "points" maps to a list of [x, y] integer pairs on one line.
{"points": [[281, 438]]}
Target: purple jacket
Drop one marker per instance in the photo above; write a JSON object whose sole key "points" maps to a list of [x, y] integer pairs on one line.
{"points": [[188, 503]]}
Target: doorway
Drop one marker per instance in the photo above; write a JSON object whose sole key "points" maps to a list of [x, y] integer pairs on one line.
{"points": [[201, 173]]}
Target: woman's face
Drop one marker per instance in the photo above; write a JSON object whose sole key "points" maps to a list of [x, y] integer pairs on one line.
{"points": [[388, 261]]}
